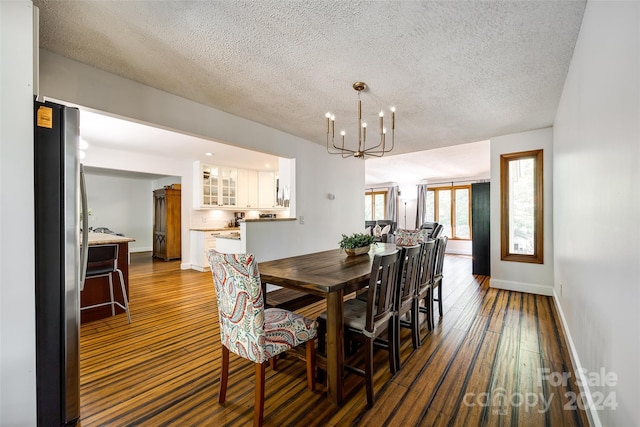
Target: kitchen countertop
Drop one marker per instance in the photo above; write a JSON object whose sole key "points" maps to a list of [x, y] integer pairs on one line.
{"points": [[204, 228], [106, 239], [267, 219]]}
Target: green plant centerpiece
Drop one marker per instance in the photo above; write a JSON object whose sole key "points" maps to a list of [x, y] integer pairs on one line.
{"points": [[357, 243]]}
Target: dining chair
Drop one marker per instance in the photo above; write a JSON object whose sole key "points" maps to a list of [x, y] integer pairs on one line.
{"points": [[251, 331], [364, 321], [437, 274], [425, 283], [102, 261], [405, 297]]}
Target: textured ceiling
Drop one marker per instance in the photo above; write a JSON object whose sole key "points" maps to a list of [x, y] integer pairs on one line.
{"points": [[456, 71]]}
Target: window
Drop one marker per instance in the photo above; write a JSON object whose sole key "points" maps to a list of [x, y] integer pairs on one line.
{"points": [[375, 205], [521, 207], [451, 207]]}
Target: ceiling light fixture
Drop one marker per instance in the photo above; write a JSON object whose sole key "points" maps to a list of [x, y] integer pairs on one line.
{"points": [[378, 150]]}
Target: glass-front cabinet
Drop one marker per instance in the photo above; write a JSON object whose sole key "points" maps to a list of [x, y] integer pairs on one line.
{"points": [[209, 177], [216, 186], [228, 187]]}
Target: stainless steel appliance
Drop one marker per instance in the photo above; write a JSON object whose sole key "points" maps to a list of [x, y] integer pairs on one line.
{"points": [[60, 265]]}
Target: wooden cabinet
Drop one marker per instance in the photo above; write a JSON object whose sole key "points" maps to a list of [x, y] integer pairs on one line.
{"points": [[167, 238], [247, 189], [267, 190]]}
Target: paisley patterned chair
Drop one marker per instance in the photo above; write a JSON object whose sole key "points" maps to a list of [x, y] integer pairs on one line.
{"points": [[251, 331]]}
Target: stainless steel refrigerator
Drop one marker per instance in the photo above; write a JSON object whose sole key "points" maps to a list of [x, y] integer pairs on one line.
{"points": [[60, 265]]}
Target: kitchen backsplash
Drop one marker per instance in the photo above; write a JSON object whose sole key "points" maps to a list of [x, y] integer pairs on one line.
{"points": [[220, 218]]}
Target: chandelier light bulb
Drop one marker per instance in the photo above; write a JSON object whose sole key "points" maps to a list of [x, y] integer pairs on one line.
{"points": [[328, 115], [343, 133], [333, 118], [393, 109], [364, 125], [381, 113]]}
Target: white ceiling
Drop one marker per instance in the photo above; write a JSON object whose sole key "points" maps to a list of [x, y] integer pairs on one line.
{"points": [[108, 132], [458, 162], [457, 71]]}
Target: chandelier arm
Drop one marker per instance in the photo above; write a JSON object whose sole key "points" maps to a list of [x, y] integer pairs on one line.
{"points": [[378, 150]]}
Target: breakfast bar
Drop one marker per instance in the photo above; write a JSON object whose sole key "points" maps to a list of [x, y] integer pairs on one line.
{"points": [[96, 290]]}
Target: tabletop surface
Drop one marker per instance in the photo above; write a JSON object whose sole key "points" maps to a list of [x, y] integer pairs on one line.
{"points": [[322, 272]]}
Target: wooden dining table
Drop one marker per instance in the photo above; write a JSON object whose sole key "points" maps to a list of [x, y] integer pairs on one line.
{"points": [[332, 275]]}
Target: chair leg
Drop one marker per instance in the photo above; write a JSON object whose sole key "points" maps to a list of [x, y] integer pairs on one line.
{"points": [[440, 298], [311, 365], [431, 319], [113, 307], [394, 344], [224, 375], [368, 371], [258, 411], [415, 324], [274, 363], [124, 295]]}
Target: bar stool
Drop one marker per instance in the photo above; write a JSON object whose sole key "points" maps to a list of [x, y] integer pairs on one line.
{"points": [[102, 260]]}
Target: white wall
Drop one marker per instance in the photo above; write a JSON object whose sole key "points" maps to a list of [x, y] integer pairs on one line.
{"points": [[520, 276], [17, 265], [317, 173], [124, 205], [597, 204]]}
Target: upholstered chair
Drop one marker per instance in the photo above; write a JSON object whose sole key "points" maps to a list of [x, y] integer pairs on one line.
{"points": [[251, 331]]}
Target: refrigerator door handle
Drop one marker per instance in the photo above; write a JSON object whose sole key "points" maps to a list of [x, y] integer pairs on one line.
{"points": [[84, 249]]}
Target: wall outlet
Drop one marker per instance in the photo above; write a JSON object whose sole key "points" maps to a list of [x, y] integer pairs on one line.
{"points": [[301, 219]]}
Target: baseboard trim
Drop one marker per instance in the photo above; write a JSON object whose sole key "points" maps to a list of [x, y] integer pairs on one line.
{"points": [[188, 266], [530, 288], [457, 252], [136, 250], [592, 413]]}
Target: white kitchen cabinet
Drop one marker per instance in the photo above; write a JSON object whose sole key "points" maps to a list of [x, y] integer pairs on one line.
{"points": [[214, 186], [201, 242], [247, 189], [266, 189]]}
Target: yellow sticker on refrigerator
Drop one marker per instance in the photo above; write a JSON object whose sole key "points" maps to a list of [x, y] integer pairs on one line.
{"points": [[44, 117]]}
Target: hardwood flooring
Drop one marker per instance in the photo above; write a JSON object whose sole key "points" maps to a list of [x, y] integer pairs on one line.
{"points": [[486, 363]]}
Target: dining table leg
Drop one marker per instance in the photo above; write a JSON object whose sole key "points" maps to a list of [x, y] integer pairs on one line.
{"points": [[335, 345]]}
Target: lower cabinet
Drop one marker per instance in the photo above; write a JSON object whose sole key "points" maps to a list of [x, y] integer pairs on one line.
{"points": [[201, 242]]}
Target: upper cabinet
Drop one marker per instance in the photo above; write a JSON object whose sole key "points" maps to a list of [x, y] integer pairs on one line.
{"points": [[267, 190], [247, 189], [226, 187], [215, 186]]}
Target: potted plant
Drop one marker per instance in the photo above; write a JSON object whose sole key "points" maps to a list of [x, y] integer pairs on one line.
{"points": [[357, 243]]}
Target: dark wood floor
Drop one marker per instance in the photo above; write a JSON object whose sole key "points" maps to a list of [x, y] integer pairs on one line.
{"points": [[482, 365]]}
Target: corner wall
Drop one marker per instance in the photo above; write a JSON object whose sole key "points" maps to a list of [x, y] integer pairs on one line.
{"points": [[17, 236], [597, 208], [521, 276]]}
